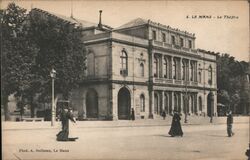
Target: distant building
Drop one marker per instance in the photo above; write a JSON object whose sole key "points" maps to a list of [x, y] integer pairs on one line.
{"points": [[142, 65]]}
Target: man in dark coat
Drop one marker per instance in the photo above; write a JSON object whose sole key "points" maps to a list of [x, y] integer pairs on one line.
{"points": [[63, 135], [163, 114], [229, 124], [175, 129]]}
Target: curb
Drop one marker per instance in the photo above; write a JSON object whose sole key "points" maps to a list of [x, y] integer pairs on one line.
{"points": [[118, 126]]}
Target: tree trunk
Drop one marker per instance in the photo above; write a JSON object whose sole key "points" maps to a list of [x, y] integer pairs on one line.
{"points": [[6, 110], [32, 107]]}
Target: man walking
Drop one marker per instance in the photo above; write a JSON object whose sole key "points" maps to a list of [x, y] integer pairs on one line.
{"points": [[229, 124]]}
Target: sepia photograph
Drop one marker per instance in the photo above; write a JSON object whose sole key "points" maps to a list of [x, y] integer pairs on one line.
{"points": [[125, 79]]}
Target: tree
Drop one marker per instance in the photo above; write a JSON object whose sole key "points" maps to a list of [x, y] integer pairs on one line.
{"points": [[17, 54], [223, 97], [231, 84], [61, 48], [31, 45]]}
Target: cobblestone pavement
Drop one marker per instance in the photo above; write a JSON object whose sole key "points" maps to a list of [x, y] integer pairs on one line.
{"points": [[202, 142]]}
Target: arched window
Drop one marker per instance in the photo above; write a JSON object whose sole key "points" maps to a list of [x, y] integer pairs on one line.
{"points": [[165, 68], [142, 103], [142, 70], [174, 69], [123, 63], [210, 75], [156, 66], [91, 64]]}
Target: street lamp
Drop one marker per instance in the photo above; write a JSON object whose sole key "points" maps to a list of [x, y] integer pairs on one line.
{"points": [[186, 102], [211, 103], [53, 76]]}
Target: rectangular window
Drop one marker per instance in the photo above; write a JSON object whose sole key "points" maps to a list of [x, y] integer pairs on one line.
{"points": [[181, 42], [154, 35], [163, 37], [173, 40], [189, 44]]}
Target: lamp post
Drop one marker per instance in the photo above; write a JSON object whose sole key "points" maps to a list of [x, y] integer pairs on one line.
{"points": [[211, 103], [53, 76], [186, 102]]}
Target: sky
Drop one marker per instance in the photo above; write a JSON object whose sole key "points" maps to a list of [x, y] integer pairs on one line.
{"points": [[225, 28]]}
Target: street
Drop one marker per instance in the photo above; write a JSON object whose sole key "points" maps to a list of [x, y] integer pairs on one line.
{"points": [[201, 142]]}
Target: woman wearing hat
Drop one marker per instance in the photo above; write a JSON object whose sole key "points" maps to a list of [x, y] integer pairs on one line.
{"points": [[63, 135], [175, 129]]}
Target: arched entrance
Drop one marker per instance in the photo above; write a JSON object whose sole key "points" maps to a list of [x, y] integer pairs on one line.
{"points": [[123, 104], [92, 104], [210, 104]]}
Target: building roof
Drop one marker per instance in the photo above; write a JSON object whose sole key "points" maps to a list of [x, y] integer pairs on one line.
{"points": [[72, 20], [134, 23], [140, 22]]}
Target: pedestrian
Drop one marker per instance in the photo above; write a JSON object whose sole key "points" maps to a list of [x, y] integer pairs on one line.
{"points": [[65, 116], [132, 114], [230, 124], [175, 129], [163, 114]]}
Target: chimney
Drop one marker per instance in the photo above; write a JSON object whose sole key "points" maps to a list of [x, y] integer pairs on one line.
{"points": [[100, 19]]}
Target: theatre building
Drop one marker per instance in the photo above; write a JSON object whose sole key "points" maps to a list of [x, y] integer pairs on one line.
{"points": [[146, 66]]}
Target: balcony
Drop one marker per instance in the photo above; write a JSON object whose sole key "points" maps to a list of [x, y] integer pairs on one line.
{"points": [[163, 80], [174, 47], [174, 81], [194, 83]]}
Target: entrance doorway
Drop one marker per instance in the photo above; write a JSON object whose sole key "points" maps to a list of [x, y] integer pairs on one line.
{"points": [[92, 104], [124, 104]]}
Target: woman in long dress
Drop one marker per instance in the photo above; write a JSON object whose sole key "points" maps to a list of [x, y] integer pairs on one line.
{"points": [[176, 129], [63, 135]]}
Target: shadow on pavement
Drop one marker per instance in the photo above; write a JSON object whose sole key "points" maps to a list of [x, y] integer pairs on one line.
{"points": [[218, 135], [162, 135]]}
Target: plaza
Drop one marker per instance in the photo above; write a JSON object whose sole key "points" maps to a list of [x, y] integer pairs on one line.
{"points": [[142, 139]]}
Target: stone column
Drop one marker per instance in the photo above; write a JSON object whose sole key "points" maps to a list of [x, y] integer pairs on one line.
{"points": [[196, 71], [172, 100], [163, 102], [181, 102], [161, 66], [151, 104], [195, 103], [171, 68], [180, 68], [114, 102], [158, 66], [188, 70]]}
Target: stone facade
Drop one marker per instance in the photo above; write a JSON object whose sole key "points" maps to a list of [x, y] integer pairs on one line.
{"points": [[146, 66]]}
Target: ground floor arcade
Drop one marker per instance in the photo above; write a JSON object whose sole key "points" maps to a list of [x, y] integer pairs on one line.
{"points": [[115, 101]]}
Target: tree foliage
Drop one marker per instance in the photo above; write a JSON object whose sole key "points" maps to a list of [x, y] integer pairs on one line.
{"points": [[61, 48], [17, 54], [31, 45], [231, 82]]}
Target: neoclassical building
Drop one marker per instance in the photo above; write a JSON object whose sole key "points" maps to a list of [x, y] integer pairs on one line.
{"points": [[146, 66]]}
